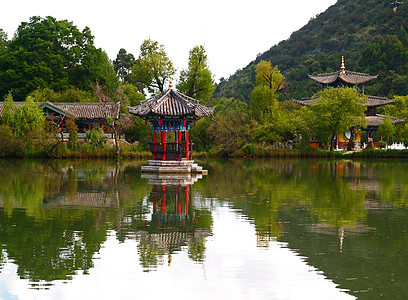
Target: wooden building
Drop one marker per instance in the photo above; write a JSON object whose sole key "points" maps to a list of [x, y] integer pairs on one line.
{"points": [[348, 78], [171, 113], [86, 115]]}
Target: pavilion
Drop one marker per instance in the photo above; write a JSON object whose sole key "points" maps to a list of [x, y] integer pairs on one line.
{"points": [[348, 78], [171, 111]]}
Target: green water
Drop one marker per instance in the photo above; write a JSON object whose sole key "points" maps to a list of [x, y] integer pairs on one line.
{"points": [[249, 230]]}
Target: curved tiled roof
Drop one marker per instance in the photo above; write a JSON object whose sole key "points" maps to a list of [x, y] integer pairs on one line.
{"points": [[346, 76], [171, 103], [372, 101], [377, 120]]}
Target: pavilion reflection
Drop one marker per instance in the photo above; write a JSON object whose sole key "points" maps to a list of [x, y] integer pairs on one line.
{"points": [[174, 222]]}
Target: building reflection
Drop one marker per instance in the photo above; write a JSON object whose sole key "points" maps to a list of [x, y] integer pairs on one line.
{"points": [[173, 222]]}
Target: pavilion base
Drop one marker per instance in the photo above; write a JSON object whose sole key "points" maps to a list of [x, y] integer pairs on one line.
{"points": [[173, 167]]}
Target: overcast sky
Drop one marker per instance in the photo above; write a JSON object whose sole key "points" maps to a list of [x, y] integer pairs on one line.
{"points": [[232, 31]]}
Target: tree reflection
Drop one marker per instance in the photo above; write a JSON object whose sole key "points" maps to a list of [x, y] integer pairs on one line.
{"points": [[55, 216]]}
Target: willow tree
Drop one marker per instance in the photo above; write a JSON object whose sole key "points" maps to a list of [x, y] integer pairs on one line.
{"points": [[269, 81], [153, 68], [335, 111], [277, 121], [197, 81]]}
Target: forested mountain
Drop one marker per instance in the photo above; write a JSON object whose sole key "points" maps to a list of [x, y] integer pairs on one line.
{"points": [[367, 33]]}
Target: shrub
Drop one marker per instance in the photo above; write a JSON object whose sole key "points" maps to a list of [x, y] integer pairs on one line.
{"points": [[95, 137]]}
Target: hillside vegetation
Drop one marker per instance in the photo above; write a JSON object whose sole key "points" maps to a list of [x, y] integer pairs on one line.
{"points": [[367, 33]]}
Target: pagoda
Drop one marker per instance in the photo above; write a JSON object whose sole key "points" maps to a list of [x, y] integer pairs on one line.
{"points": [[167, 112], [348, 78]]}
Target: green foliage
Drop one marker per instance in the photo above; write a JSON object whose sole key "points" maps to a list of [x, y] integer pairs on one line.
{"points": [[53, 54], [334, 111], [139, 132], [10, 145], [123, 63], [70, 95], [231, 126], [133, 94], [73, 134], [3, 41], [197, 80], [95, 137], [153, 68], [318, 46], [23, 118], [386, 128]]}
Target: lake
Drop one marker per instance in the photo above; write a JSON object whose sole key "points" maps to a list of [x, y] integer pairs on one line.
{"points": [[250, 229]]}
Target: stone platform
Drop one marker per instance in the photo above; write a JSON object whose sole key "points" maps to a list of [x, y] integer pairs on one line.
{"points": [[173, 167], [177, 179]]}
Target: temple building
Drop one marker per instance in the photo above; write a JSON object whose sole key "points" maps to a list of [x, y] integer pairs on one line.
{"points": [[171, 112], [348, 78]]}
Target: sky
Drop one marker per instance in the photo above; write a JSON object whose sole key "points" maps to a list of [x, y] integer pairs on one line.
{"points": [[233, 32]]}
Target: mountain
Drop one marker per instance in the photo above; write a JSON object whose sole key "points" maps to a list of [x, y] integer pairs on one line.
{"points": [[367, 33]]}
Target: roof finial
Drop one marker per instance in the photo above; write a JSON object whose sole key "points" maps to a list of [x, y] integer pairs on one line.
{"points": [[171, 84], [343, 68]]}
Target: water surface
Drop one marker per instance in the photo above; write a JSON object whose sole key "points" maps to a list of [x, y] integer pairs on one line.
{"points": [[249, 230]]}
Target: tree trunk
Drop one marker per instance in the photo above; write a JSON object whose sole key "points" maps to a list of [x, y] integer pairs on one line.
{"points": [[350, 145], [116, 144], [331, 142]]}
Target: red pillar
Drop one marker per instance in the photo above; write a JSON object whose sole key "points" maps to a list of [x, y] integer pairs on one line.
{"points": [[187, 146], [178, 201], [186, 196], [154, 199], [163, 142], [89, 125], [155, 145]]}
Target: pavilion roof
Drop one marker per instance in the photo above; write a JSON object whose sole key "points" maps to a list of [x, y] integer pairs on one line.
{"points": [[377, 120], [346, 76], [171, 103], [372, 101]]}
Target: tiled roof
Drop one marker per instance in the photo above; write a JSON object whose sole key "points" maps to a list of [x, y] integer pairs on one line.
{"points": [[377, 120], [171, 103], [372, 101], [346, 76], [95, 110]]}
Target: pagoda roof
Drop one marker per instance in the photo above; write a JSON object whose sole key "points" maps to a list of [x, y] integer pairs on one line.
{"points": [[171, 103], [346, 76], [377, 120], [372, 101]]}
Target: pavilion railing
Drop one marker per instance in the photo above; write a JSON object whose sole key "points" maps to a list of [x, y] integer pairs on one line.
{"points": [[171, 151]]}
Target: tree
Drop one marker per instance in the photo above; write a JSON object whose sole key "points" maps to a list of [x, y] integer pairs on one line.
{"points": [[197, 80], [52, 54], [28, 117], [123, 63], [120, 123], [153, 68], [231, 126], [335, 111], [3, 41], [386, 128], [269, 81]]}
